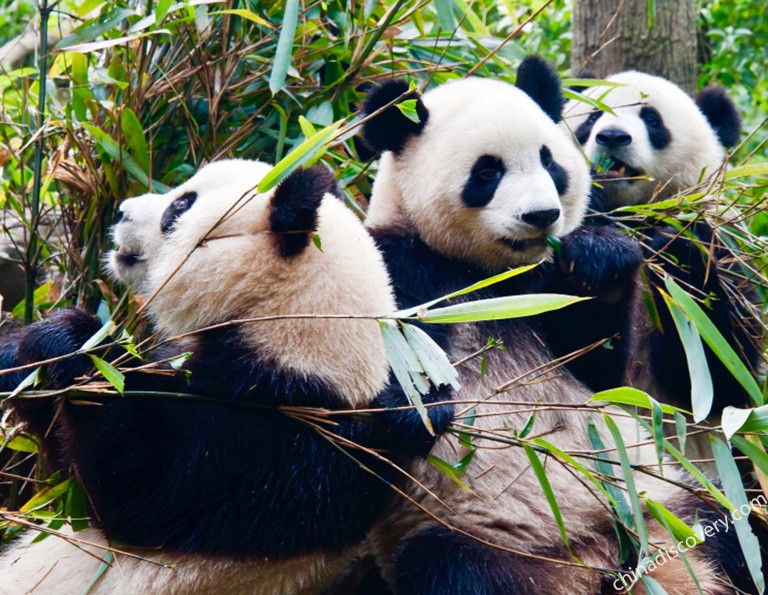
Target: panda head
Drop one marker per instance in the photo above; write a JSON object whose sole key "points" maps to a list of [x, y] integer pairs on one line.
{"points": [[657, 141], [486, 174], [214, 250]]}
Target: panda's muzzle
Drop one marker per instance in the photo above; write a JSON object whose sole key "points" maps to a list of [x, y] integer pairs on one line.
{"points": [[617, 171], [125, 257], [521, 245]]}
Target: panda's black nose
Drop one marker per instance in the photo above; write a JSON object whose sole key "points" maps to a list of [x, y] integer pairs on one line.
{"points": [[613, 138], [542, 219]]}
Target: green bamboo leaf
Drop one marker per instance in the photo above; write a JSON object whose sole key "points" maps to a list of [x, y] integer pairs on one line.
{"points": [[296, 158], [681, 428], [626, 468], [112, 148], [39, 297], [105, 330], [541, 475], [110, 373], [22, 444], [734, 489], [679, 530], [306, 127], [500, 308], [133, 133], [445, 17], [657, 423], [449, 470], [161, 9], [470, 289], [106, 564], [733, 419], [94, 28], [756, 454], [31, 380], [406, 368], [432, 358], [284, 46], [652, 587], [528, 426], [626, 395], [746, 171], [408, 109], [245, 14], [702, 392], [714, 339], [47, 495]]}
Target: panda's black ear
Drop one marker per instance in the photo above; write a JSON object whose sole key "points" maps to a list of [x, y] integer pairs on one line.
{"points": [[722, 114], [584, 73], [389, 130], [542, 84], [293, 215]]}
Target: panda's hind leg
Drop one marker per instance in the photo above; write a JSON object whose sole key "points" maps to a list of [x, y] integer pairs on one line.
{"points": [[437, 560]]}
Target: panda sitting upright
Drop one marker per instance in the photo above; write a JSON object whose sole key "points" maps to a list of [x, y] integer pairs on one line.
{"points": [[471, 189], [656, 143], [239, 488]]}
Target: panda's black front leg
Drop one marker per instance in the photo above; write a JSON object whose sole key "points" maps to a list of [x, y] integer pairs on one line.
{"points": [[62, 334], [403, 431], [601, 263], [690, 257]]}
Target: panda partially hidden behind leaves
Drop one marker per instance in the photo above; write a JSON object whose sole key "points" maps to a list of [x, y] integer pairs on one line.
{"points": [[656, 142], [471, 189], [240, 488]]}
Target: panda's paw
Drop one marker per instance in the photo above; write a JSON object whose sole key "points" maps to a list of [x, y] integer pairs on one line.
{"points": [[63, 333], [600, 261], [405, 430]]}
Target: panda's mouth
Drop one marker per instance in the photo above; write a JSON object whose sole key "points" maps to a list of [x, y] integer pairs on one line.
{"points": [[615, 170], [521, 245], [127, 257]]}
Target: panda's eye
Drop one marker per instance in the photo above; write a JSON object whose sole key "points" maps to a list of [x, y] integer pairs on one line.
{"points": [[545, 155], [651, 117], [488, 174], [593, 117], [176, 209]]}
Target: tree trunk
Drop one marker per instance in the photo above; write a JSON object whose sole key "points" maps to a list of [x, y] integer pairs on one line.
{"points": [[611, 36]]}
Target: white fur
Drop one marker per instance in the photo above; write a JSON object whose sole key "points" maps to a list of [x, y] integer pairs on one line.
{"points": [[237, 273], [693, 150], [421, 187]]}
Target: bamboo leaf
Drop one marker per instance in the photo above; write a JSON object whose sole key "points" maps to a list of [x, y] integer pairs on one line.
{"points": [[47, 495], [110, 373], [449, 470], [733, 419], [296, 158], [626, 395], [105, 330], [541, 475], [679, 530], [284, 46], [133, 132], [702, 392], [681, 428], [432, 358], [734, 489], [626, 468], [408, 109], [249, 15], [500, 308], [714, 339]]}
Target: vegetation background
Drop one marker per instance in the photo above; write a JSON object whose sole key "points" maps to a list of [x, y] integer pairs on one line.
{"points": [[133, 96]]}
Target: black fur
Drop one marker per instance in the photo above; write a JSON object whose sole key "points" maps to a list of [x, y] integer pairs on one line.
{"points": [[540, 82], [293, 215], [688, 262], [722, 114], [484, 179], [658, 133], [585, 128], [554, 169], [602, 263], [175, 210], [604, 266], [389, 130], [228, 473]]}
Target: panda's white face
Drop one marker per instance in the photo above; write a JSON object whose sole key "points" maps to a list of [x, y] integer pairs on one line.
{"points": [[656, 143], [488, 178], [243, 269]]}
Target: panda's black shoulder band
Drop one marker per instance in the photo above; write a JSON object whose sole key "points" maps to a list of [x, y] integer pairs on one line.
{"points": [[389, 130], [542, 84], [293, 215]]}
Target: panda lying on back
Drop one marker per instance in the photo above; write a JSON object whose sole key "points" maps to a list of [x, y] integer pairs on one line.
{"points": [[239, 496], [658, 142], [470, 190]]}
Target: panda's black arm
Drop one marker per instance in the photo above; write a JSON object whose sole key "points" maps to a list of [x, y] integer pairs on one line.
{"points": [[601, 263], [695, 266]]}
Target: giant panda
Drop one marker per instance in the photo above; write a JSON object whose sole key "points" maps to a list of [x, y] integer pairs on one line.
{"points": [[471, 189], [241, 486], [657, 142]]}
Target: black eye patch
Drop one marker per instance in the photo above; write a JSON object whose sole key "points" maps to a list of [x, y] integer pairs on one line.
{"points": [[177, 208], [585, 128], [483, 181], [658, 133], [554, 169]]}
